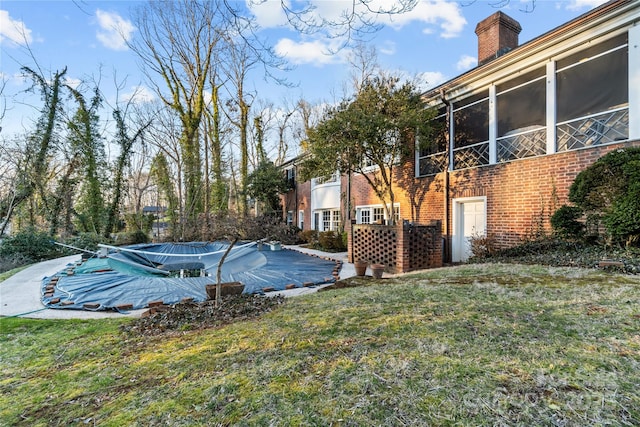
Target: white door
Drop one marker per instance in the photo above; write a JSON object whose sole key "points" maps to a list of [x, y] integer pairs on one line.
{"points": [[470, 221]]}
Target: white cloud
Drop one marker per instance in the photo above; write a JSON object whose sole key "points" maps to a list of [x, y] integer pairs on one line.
{"points": [[445, 15], [319, 47], [466, 62], [268, 13], [329, 17], [139, 95], [430, 79], [584, 4], [13, 32], [114, 30], [314, 52], [387, 48]]}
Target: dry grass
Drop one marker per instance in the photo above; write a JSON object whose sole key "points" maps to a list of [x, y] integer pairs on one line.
{"points": [[471, 345]]}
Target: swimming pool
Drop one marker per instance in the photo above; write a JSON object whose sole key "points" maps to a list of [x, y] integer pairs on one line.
{"points": [[139, 276]]}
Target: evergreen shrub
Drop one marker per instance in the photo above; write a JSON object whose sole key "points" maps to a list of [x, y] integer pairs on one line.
{"points": [[565, 222]]}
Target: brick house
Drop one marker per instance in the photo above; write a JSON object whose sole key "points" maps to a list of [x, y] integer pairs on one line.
{"points": [[518, 128], [313, 205]]}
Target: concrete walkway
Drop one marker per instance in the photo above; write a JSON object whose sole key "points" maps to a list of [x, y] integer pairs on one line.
{"points": [[20, 294]]}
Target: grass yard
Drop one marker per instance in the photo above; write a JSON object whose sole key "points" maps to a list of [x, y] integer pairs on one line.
{"points": [[470, 346]]}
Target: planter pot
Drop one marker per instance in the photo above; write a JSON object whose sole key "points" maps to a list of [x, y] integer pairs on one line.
{"points": [[377, 270], [226, 288], [275, 246], [361, 267]]}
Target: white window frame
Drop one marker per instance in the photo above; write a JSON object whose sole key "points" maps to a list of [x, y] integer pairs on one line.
{"points": [[329, 219], [369, 210], [335, 220]]}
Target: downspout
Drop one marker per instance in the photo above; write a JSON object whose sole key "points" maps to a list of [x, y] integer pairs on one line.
{"points": [[295, 193], [349, 213], [446, 249]]}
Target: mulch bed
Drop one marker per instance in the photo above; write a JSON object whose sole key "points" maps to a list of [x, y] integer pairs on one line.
{"points": [[187, 316]]}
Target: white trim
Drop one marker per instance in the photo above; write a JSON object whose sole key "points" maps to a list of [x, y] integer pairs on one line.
{"points": [[360, 208], [551, 107], [493, 125], [333, 225], [634, 82]]}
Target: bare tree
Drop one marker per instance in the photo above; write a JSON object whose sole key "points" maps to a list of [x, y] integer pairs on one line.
{"points": [[240, 59], [346, 20], [3, 103], [363, 59], [38, 148], [216, 187], [126, 143], [308, 117], [164, 134], [177, 43]]}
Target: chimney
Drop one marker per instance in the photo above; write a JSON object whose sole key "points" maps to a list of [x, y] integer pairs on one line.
{"points": [[497, 35]]}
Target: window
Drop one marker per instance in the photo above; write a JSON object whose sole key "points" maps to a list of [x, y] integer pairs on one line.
{"points": [[326, 220], [291, 173], [365, 216], [522, 125], [291, 177], [378, 215], [330, 220], [335, 222], [375, 214], [471, 121], [289, 217], [592, 89], [301, 220]]}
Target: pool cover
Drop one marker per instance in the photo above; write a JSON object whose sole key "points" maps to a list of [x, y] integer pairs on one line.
{"points": [[137, 276]]}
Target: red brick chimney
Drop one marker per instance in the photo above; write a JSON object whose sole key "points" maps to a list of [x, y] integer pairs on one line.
{"points": [[497, 35]]}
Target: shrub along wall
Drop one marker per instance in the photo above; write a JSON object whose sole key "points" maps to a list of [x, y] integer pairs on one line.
{"points": [[400, 248]]}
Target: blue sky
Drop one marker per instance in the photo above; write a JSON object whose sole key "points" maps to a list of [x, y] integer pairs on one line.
{"points": [[435, 40]]}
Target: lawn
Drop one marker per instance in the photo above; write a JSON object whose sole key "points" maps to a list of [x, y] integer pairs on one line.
{"points": [[470, 345]]}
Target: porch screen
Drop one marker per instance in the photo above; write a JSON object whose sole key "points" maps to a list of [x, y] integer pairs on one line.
{"points": [[592, 95], [471, 123], [433, 158], [521, 116]]}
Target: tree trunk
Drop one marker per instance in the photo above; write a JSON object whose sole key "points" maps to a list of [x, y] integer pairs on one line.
{"points": [[219, 271]]}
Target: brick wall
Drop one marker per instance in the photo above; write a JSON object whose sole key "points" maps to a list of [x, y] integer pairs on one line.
{"points": [[400, 248], [520, 196], [298, 199]]}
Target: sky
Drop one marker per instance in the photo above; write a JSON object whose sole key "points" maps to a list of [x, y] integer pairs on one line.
{"points": [[435, 41]]}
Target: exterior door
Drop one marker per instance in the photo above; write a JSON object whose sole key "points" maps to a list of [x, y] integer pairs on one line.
{"points": [[470, 220]]}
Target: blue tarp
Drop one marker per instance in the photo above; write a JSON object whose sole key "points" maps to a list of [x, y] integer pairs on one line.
{"points": [[131, 280]]}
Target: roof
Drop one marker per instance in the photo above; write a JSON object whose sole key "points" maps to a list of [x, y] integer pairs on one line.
{"points": [[611, 12]]}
